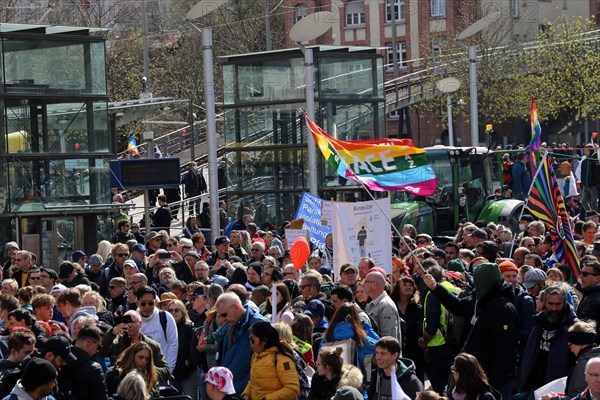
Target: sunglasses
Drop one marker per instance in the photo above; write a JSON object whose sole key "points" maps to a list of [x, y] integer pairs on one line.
{"points": [[123, 255], [224, 315], [585, 273], [174, 310], [254, 249], [111, 287], [35, 278], [146, 303]]}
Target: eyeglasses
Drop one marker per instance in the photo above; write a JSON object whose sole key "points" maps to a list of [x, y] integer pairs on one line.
{"points": [[585, 273], [35, 278], [174, 310], [123, 255], [111, 287], [593, 376], [146, 303]]}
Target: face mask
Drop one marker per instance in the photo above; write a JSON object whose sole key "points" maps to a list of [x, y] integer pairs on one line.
{"points": [[521, 227]]}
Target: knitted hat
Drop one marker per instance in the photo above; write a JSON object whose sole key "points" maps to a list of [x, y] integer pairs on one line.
{"points": [[38, 372], [256, 266], [95, 259], [507, 265], [486, 277], [456, 265]]}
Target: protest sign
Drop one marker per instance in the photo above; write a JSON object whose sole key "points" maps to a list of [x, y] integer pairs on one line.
{"points": [[310, 210]]}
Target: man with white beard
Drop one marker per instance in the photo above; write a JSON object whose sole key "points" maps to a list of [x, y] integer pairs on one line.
{"points": [[546, 355]]}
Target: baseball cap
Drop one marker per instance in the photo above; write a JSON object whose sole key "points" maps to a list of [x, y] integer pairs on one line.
{"points": [[77, 255], [11, 245], [220, 280], [315, 308], [58, 288], [534, 276], [139, 248], [59, 346], [347, 267], [95, 259], [222, 378], [38, 372], [130, 263], [199, 291], [134, 225], [221, 240], [192, 253]]}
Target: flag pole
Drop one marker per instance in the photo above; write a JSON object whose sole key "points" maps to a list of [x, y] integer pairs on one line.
{"points": [[537, 172]]}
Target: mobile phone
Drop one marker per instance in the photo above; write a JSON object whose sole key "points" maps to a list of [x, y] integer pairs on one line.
{"points": [[222, 263], [125, 319], [164, 255]]}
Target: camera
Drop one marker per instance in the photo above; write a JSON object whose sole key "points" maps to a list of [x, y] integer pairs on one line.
{"points": [[164, 255]]}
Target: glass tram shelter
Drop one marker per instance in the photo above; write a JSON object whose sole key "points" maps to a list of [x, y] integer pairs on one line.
{"points": [[266, 138]]}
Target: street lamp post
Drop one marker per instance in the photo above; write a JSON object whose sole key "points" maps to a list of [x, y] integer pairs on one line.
{"points": [[200, 9], [449, 86], [311, 27], [473, 29]]}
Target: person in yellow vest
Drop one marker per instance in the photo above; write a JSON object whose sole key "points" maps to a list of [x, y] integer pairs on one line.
{"points": [[436, 340]]}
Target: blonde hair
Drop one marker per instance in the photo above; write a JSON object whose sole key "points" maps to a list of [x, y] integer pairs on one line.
{"points": [[182, 307], [133, 387]]}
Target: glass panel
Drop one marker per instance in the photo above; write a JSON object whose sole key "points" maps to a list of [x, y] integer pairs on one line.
{"points": [[272, 207], [229, 84], [35, 127], [352, 121], [348, 78], [269, 169], [45, 67], [278, 80], [33, 184], [266, 125]]}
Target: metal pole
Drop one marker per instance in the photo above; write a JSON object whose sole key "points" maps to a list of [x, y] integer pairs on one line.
{"points": [[192, 138], [450, 127], [211, 131], [147, 93], [310, 112], [394, 38], [268, 26], [473, 100]]}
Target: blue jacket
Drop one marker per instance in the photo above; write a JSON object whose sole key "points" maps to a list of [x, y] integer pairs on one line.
{"points": [[344, 330], [235, 351], [521, 178], [558, 356]]}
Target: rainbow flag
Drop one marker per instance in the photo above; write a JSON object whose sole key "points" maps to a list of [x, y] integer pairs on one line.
{"points": [[380, 164], [545, 202], [536, 128], [132, 145]]}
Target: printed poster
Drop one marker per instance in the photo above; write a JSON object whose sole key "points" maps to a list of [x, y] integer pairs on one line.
{"points": [[362, 230], [310, 209]]}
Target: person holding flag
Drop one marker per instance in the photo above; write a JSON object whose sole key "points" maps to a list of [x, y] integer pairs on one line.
{"points": [[393, 378]]}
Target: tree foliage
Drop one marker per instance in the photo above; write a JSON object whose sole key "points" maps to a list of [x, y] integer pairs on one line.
{"points": [[560, 68]]}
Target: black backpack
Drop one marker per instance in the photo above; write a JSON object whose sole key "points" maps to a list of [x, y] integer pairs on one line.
{"points": [[301, 371], [8, 380]]}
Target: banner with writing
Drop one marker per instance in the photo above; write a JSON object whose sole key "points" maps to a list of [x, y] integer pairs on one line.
{"points": [[310, 210]]}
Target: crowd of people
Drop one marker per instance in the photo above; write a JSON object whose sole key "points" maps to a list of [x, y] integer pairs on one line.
{"points": [[488, 315]]}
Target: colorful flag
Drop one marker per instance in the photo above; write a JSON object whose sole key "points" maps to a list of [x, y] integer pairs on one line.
{"points": [[132, 145], [536, 128], [545, 202], [397, 392], [380, 164]]}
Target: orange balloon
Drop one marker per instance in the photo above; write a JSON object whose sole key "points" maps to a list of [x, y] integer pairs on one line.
{"points": [[299, 252]]}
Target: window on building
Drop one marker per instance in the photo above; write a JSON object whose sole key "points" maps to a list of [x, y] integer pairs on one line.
{"points": [[402, 55], [301, 11], [438, 8], [355, 13], [514, 8], [399, 9], [438, 45]]}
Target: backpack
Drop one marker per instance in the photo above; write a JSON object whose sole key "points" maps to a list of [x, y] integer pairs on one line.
{"points": [[301, 370], [8, 380], [162, 315], [454, 325]]}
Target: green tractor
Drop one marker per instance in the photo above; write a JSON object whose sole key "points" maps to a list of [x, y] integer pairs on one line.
{"points": [[465, 192]]}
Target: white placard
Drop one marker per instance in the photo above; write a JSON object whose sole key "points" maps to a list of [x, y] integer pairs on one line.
{"points": [[362, 230], [292, 234]]}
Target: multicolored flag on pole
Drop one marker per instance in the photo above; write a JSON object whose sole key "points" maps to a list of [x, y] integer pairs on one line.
{"points": [[536, 128], [380, 164], [132, 145], [545, 202]]}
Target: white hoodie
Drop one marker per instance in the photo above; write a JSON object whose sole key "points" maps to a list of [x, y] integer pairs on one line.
{"points": [[170, 344]]}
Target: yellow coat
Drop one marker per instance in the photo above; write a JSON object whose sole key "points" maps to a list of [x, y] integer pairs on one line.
{"points": [[268, 382]]}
